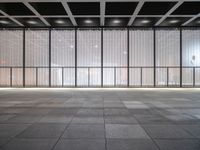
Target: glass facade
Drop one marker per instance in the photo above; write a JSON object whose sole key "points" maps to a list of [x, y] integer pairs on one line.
{"points": [[167, 59], [89, 57], [62, 58], [141, 56], [99, 57], [115, 57]]}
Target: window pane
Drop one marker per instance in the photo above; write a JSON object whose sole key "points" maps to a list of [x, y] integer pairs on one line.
{"points": [[114, 55], [191, 54], [89, 48], [141, 55], [63, 48], [11, 48], [11, 55], [88, 55], [37, 48], [62, 54], [168, 55]]}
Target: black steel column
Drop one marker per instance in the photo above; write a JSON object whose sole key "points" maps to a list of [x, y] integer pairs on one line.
{"points": [[181, 57], [141, 77], [101, 57], [88, 76], [49, 57], [24, 58], [154, 56], [128, 57], [62, 76], [36, 76], [167, 76], [75, 57], [10, 76], [194, 76]]}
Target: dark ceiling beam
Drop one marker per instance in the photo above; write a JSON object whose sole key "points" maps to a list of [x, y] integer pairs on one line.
{"points": [[139, 6], [102, 12], [169, 12], [36, 13], [190, 20], [11, 18], [67, 9]]}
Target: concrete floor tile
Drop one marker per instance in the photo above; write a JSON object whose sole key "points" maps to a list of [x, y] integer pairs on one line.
{"points": [[193, 129], [30, 144], [84, 131], [178, 144], [167, 131], [80, 145], [120, 131], [141, 144], [11, 130], [55, 119], [120, 120], [87, 120], [43, 131]]}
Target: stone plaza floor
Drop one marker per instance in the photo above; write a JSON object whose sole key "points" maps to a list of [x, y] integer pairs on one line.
{"points": [[100, 119]]}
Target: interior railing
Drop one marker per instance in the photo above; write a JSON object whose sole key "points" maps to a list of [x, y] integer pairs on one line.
{"points": [[160, 76]]}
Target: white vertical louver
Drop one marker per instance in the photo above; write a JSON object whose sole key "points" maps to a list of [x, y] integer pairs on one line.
{"points": [[11, 55], [141, 55], [115, 55], [62, 55], [168, 55], [89, 55]]}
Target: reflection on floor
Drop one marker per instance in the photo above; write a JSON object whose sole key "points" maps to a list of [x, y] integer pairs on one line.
{"points": [[99, 119]]}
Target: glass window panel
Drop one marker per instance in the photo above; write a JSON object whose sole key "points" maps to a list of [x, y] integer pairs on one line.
{"points": [[88, 55], [135, 76], [141, 47], [114, 55], [4, 76], [197, 76], [30, 79], [115, 48], [17, 76], [11, 48], [161, 76], [82, 76], [147, 76], [63, 48], [121, 76], [167, 48], [190, 53], [187, 76], [191, 47], [37, 48], [89, 48], [168, 54], [69, 77], [43, 77], [56, 76], [108, 77], [95, 76], [141, 54], [174, 76]]}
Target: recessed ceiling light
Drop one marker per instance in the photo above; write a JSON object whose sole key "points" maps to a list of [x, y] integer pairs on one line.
{"points": [[71, 46], [95, 46], [145, 21], [32, 22], [173, 21], [116, 21], [88, 21], [59, 22], [4, 22]]}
